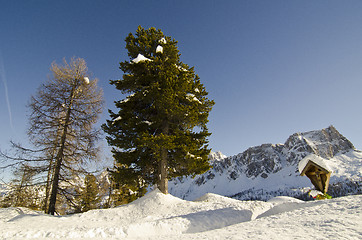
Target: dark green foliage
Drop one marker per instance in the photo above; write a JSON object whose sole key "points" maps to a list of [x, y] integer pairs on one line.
{"points": [[124, 194], [162, 123]]}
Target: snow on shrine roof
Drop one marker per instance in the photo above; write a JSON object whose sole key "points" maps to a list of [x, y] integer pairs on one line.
{"points": [[315, 159]]}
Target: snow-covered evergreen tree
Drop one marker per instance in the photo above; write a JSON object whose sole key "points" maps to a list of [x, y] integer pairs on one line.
{"points": [[160, 129]]}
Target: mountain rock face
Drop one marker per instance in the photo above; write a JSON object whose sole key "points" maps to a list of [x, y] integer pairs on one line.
{"points": [[325, 143], [269, 170]]}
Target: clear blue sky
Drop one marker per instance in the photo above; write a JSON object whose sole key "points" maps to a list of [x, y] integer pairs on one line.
{"points": [[273, 67]]}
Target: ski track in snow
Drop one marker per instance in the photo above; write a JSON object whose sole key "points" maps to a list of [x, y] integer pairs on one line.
{"points": [[159, 216]]}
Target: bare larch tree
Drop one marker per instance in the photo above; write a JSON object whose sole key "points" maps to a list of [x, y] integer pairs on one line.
{"points": [[62, 115]]}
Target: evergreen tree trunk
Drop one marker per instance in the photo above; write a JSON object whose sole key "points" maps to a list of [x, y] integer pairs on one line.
{"points": [[163, 184]]}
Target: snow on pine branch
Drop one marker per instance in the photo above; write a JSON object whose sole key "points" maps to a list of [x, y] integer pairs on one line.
{"points": [[159, 49], [181, 68], [127, 98], [117, 119], [192, 155], [192, 97], [140, 58], [147, 122], [162, 41]]}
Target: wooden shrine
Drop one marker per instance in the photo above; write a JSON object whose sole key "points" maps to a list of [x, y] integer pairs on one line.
{"points": [[317, 171]]}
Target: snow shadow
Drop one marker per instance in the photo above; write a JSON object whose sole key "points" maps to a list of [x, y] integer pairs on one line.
{"points": [[288, 207], [22, 216], [214, 219], [13, 214], [189, 223]]}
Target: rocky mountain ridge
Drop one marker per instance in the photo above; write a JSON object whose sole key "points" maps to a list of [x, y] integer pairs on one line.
{"points": [[268, 167]]}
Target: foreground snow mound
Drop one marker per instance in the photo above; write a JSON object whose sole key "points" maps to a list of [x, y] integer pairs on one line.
{"points": [[151, 215], [166, 214], [284, 199], [287, 206], [160, 216], [256, 207]]}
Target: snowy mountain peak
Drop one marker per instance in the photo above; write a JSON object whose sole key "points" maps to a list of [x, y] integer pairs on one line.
{"points": [[216, 156], [325, 143]]}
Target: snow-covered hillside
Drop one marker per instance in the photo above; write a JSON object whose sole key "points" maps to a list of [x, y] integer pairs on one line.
{"points": [[269, 170], [159, 216]]}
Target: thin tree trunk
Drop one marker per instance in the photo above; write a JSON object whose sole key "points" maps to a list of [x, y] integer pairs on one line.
{"points": [[50, 174], [58, 164], [58, 161], [47, 188]]}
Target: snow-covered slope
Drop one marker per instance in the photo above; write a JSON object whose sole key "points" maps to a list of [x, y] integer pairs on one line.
{"points": [[159, 216], [270, 170]]}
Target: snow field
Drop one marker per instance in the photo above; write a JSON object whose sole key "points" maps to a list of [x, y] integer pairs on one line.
{"points": [[159, 216]]}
